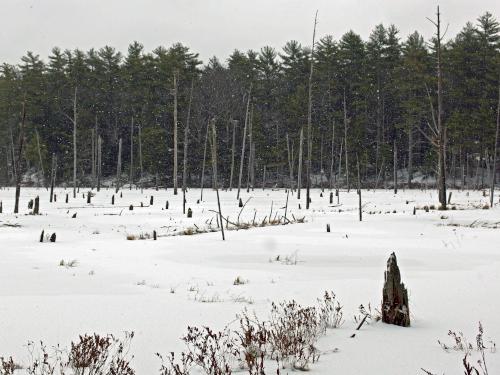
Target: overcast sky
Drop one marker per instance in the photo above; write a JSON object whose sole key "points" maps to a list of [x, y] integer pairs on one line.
{"points": [[211, 27]]}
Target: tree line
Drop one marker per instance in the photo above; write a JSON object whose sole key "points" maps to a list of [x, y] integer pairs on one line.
{"points": [[373, 105]]}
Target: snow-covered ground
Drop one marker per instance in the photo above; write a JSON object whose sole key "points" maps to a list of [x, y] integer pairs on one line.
{"points": [[158, 288]]}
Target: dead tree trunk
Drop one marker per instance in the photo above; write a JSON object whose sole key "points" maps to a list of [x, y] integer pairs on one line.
{"points": [[242, 160], [204, 160], [140, 154], [175, 132], [439, 129], [233, 146], [74, 141], [19, 157], [99, 162], [131, 175], [214, 166], [53, 176], [345, 140], [332, 155], [186, 140], [395, 307], [40, 156], [299, 168], [119, 165], [495, 150], [410, 155], [395, 167], [290, 162], [309, 117]]}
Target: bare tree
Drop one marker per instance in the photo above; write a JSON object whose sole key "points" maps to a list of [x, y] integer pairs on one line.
{"points": [[332, 155], [439, 128], [186, 140], [309, 116], [204, 160], [40, 155], [242, 160], [99, 162], [119, 166], [131, 176], [74, 121], [299, 168], [214, 166], [495, 151], [176, 74], [346, 121], [19, 157], [233, 147], [140, 153], [53, 176]]}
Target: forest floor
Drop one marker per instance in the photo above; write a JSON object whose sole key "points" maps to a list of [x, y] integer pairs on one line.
{"points": [[449, 261]]}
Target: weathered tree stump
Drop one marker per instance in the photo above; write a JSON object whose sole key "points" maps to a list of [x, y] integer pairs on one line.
{"points": [[1, 208], [328, 228], [331, 197], [240, 204], [36, 208], [154, 235], [166, 205], [67, 197], [131, 207], [89, 198], [30, 204], [42, 236], [113, 200], [395, 307], [53, 237], [190, 212], [151, 200]]}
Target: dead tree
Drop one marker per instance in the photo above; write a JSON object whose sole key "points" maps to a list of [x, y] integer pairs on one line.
{"points": [[140, 153], [214, 166], [233, 147], [204, 160], [495, 151], [290, 160], [131, 176], [299, 168], [309, 117], [53, 176], [119, 165], [99, 162], [242, 160], [19, 157], [438, 128], [74, 121], [345, 140], [186, 140], [332, 155], [176, 74], [40, 156], [395, 307], [395, 163]]}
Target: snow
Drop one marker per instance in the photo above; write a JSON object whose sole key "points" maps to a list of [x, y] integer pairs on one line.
{"points": [[157, 288]]}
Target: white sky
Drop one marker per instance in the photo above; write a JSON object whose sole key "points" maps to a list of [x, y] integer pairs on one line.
{"points": [[211, 27]]}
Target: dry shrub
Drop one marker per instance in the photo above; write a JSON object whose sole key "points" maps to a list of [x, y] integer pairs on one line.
{"points": [[8, 366], [253, 339], [330, 312]]}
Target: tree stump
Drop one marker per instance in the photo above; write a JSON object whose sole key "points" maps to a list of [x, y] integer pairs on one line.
{"points": [[151, 200], [36, 208], [240, 204], [395, 307], [53, 237], [190, 213]]}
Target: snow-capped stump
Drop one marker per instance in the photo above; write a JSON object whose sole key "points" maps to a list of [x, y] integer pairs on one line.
{"points": [[395, 307]]}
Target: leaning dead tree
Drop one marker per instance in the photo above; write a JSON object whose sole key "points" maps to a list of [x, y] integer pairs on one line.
{"points": [[19, 158], [309, 117], [242, 160], [395, 307], [214, 166], [438, 127], [495, 151]]}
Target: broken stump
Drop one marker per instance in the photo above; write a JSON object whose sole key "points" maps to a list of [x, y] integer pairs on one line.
{"points": [[395, 307]]}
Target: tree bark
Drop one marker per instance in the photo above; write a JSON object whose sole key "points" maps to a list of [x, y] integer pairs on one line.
{"points": [[19, 157], [233, 146], [204, 159], [131, 176], [186, 140], [175, 132], [495, 152], [299, 168], [242, 160], [119, 166], [395, 307], [214, 166], [74, 140]]}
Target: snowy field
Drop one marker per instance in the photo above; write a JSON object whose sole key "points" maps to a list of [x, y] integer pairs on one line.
{"points": [[158, 288]]}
